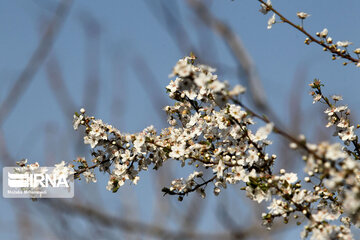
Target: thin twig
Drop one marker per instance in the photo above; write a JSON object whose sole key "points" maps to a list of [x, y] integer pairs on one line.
{"points": [[333, 50]]}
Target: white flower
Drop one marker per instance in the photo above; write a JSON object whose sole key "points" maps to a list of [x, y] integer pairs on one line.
{"points": [[265, 8], [271, 21], [259, 195], [92, 141], [329, 40], [125, 156], [60, 165], [252, 157], [216, 86], [96, 133], [178, 185], [343, 123], [195, 174], [193, 120], [290, 177], [299, 197], [236, 112], [139, 143], [326, 232], [135, 180], [219, 169], [235, 132], [240, 174], [110, 186], [351, 163], [351, 202], [206, 68], [336, 97], [331, 111], [216, 191], [120, 169], [22, 162], [182, 68], [324, 33], [276, 207], [33, 166], [173, 86], [202, 79], [335, 152], [302, 15], [316, 98], [221, 120], [190, 93], [177, 151], [343, 43], [238, 89], [324, 215], [357, 51], [77, 120], [89, 176], [61, 171], [263, 132], [347, 134]]}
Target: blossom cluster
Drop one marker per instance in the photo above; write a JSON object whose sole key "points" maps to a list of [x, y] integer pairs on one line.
{"points": [[205, 129], [341, 170], [210, 129]]}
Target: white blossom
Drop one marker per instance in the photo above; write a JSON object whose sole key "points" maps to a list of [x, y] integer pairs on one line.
{"points": [[89, 176], [290, 177], [276, 207], [177, 151], [77, 120], [263, 132], [237, 90], [271, 21], [347, 134], [265, 8], [302, 15], [219, 169], [343, 43], [324, 33], [210, 131]]}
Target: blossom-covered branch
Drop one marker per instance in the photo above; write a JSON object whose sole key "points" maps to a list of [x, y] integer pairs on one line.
{"points": [[207, 130], [337, 115], [338, 49]]}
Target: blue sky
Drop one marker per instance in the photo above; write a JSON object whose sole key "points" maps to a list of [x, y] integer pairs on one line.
{"points": [[37, 129]]}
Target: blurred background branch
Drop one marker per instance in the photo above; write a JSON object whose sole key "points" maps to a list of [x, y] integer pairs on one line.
{"points": [[36, 60]]}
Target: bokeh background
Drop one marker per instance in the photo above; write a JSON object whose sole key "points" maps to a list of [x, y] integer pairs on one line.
{"points": [[113, 58]]}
